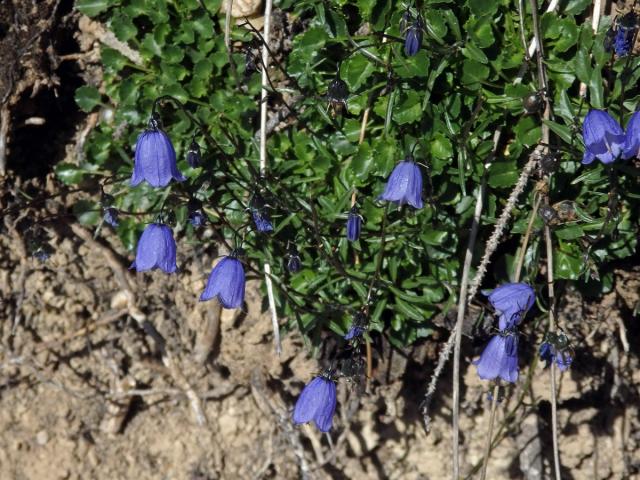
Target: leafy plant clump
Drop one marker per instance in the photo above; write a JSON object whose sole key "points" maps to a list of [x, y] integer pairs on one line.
{"points": [[385, 120]]}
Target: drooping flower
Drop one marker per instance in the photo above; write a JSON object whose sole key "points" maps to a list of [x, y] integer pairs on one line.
{"points": [[413, 38], [317, 402], [354, 225], [226, 282], [604, 139], [193, 154], [155, 158], [404, 185], [500, 358], [110, 216], [632, 137], [156, 249], [512, 301], [549, 354], [262, 221]]}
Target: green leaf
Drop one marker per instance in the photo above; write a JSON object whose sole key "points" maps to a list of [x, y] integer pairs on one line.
{"points": [[87, 212], [88, 98], [484, 7], [441, 147], [68, 173], [474, 72], [93, 7], [596, 89], [562, 131], [355, 71], [503, 174]]}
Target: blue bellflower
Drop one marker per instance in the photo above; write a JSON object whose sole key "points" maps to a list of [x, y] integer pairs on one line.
{"points": [[262, 221], [155, 159], [156, 249], [500, 358], [550, 354], [511, 301], [226, 282], [354, 225], [317, 402], [632, 138], [404, 185], [604, 139], [413, 38]]}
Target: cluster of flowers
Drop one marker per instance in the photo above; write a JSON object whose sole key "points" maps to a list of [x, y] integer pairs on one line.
{"points": [[605, 139], [499, 359], [155, 163]]}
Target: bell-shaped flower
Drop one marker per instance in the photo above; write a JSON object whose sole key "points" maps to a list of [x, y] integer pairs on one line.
{"points": [[404, 185], [156, 249], [413, 38], [632, 138], [511, 301], [317, 402], [226, 282], [155, 159], [549, 354], [604, 139], [500, 358], [354, 225]]}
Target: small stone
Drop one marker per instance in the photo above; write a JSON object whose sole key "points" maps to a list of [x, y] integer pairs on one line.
{"points": [[42, 437]]}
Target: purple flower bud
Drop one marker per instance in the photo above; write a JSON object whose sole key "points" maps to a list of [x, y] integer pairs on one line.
{"points": [[155, 160], [193, 154], [354, 225], [294, 264], [512, 301], [404, 185], [500, 358], [261, 219], [604, 139], [111, 216], [625, 34], [156, 249], [197, 218], [226, 282], [317, 402]]}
